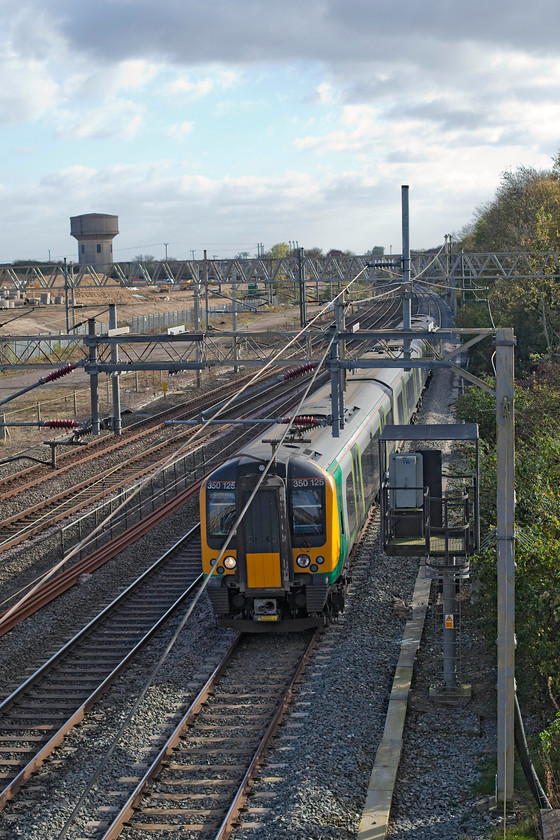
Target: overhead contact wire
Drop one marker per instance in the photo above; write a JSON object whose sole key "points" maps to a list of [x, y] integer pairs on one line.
{"points": [[171, 459]]}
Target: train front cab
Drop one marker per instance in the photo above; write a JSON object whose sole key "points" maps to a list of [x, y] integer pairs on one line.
{"points": [[285, 551]]}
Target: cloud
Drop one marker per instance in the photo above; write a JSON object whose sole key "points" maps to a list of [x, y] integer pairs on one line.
{"points": [[195, 31], [195, 87], [179, 131], [120, 119], [306, 115], [26, 91], [348, 209]]}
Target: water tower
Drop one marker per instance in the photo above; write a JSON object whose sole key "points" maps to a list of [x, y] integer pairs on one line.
{"points": [[95, 233]]}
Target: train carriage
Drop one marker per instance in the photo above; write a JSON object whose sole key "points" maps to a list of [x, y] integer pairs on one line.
{"points": [[284, 566]]}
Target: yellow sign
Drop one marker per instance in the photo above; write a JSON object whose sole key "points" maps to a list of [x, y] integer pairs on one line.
{"points": [[449, 622], [164, 386]]}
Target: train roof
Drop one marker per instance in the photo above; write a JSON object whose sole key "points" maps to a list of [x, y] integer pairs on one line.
{"points": [[365, 392]]}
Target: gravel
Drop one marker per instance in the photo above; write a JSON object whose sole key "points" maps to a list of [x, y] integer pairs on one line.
{"points": [[321, 759]]}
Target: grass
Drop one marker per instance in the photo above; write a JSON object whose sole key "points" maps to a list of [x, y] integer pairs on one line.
{"points": [[524, 805]]}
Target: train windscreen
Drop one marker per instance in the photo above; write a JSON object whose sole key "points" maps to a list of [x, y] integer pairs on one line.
{"points": [[220, 512], [308, 511]]}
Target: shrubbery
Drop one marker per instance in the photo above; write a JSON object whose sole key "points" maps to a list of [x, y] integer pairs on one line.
{"points": [[537, 548]]}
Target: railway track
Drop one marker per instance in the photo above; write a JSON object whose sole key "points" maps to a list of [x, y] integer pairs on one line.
{"points": [[163, 810], [53, 509], [34, 476], [200, 778], [250, 685], [38, 715]]}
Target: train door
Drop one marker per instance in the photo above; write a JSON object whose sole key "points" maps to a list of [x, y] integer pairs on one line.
{"points": [[263, 538]]}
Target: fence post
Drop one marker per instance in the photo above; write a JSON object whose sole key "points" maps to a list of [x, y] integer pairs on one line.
{"points": [[5, 432]]}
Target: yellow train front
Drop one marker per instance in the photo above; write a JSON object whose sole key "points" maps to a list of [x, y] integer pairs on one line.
{"points": [[282, 568]]}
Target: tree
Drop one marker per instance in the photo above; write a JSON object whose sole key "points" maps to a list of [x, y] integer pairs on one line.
{"points": [[524, 216], [513, 221], [336, 252], [314, 253], [278, 251]]}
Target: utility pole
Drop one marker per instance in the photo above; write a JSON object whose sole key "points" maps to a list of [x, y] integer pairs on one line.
{"points": [[205, 281], [166, 244], [72, 292], [93, 379], [115, 377], [66, 295], [196, 316], [234, 327], [302, 295], [505, 531], [407, 293]]}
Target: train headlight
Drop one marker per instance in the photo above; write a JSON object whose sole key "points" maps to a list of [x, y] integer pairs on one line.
{"points": [[230, 562], [320, 560], [303, 560]]}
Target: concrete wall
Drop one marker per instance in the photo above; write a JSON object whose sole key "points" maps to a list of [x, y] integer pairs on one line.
{"points": [[95, 233]]}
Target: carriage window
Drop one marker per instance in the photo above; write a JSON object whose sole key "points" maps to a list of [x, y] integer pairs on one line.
{"points": [[220, 509], [358, 477], [400, 407], [370, 468], [351, 504]]}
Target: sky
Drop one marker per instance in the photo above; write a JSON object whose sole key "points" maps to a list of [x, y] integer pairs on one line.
{"points": [[229, 124]]}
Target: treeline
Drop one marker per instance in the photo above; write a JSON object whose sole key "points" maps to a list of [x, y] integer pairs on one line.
{"points": [[524, 216]]}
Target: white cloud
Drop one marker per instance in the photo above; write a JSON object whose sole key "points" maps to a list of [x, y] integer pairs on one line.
{"points": [[308, 117], [120, 119], [196, 87], [26, 90], [179, 131], [183, 86]]}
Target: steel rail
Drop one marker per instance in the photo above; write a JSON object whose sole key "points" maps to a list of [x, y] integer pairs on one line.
{"points": [[97, 558], [86, 634], [241, 795], [65, 503], [128, 808], [106, 445], [68, 578]]}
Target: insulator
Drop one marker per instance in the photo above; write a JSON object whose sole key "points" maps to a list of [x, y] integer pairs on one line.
{"points": [[302, 420], [61, 424], [56, 374], [82, 431], [299, 371]]}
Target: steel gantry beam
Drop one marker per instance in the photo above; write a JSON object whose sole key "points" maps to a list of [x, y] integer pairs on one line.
{"points": [[460, 269]]}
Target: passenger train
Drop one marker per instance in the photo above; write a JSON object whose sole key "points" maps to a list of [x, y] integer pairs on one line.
{"points": [[284, 568]]}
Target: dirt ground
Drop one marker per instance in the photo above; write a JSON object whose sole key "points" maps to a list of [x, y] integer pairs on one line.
{"points": [[132, 302], [88, 302], [70, 397]]}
